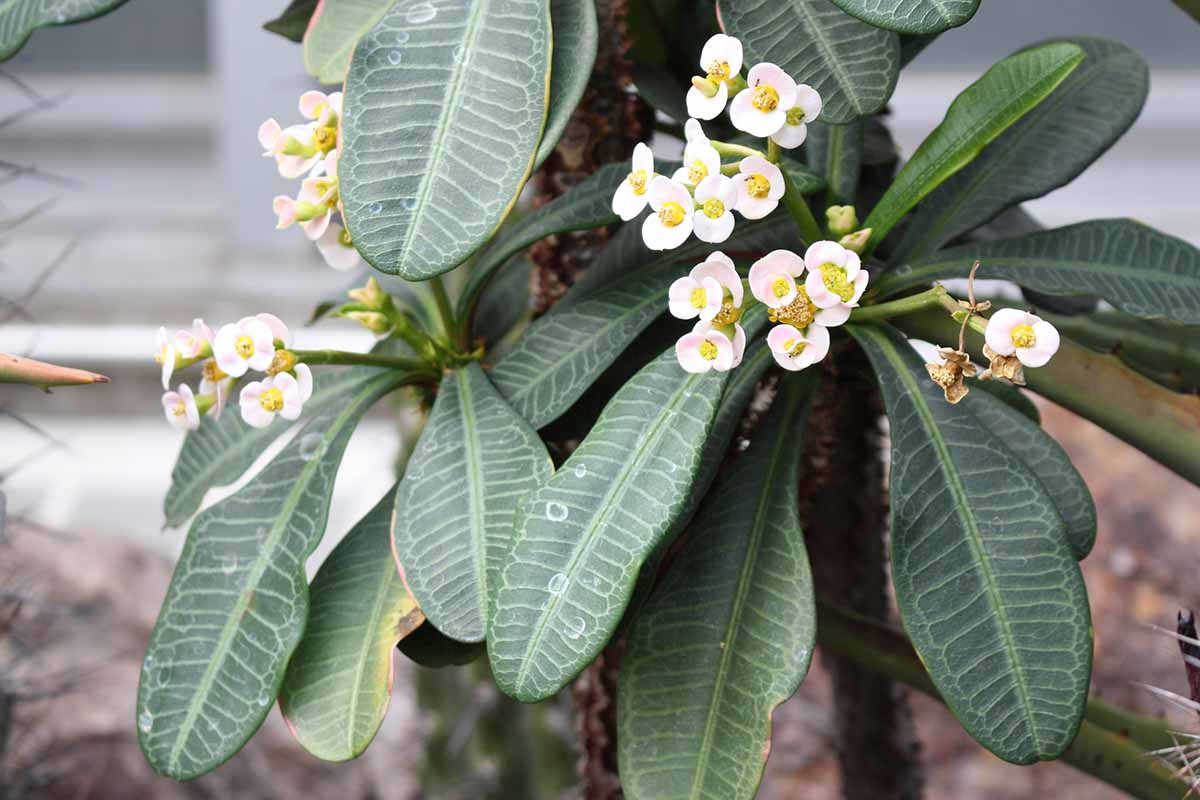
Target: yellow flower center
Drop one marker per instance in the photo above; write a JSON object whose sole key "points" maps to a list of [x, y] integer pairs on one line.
{"points": [[795, 115], [325, 139], [799, 313], [758, 186], [271, 400], [713, 208], [344, 238], [765, 98], [671, 214], [718, 71], [834, 278], [1023, 336], [161, 355], [781, 286], [212, 372], [244, 346], [708, 350], [699, 298], [179, 409], [697, 172], [637, 180], [727, 315], [794, 347]]}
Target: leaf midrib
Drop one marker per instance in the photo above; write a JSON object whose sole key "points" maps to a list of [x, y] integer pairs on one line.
{"points": [[474, 454], [270, 542], [607, 509], [836, 69], [974, 537], [767, 487]]}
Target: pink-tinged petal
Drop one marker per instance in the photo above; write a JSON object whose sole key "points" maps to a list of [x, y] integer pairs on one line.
{"points": [[786, 87], [256, 416], [295, 166], [335, 103], [860, 286], [191, 412], [679, 298], [284, 208], [724, 360], [201, 330], [168, 365], [315, 228], [998, 334], [713, 231], [232, 364], [286, 383], [312, 103], [220, 393], [268, 136], [818, 341], [663, 190], [687, 351], [783, 261], [1045, 345], [713, 297], [821, 253], [767, 73], [753, 207], [680, 175], [790, 136], [260, 332], [720, 268], [814, 284], [626, 204], [754, 165], [833, 316], [279, 330], [809, 101], [852, 265], [331, 163], [304, 380], [780, 334], [337, 255], [702, 107]]}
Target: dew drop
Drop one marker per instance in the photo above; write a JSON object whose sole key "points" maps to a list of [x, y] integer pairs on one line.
{"points": [[409, 203], [580, 470], [400, 37], [458, 54], [263, 699], [557, 583], [575, 627], [252, 637], [421, 13], [671, 467], [394, 57], [556, 512], [376, 208], [229, 564], [311, 446], [145, 721], [198, 649]]}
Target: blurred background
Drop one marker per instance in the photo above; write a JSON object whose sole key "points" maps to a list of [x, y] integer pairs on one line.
{"points": [[134, 195]]}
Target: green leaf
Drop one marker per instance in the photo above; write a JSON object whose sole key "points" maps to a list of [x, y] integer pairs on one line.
{"points": [[835, 151], [583, 535], [1048, 148], [222, 449], [658, 87], [238, 601], [1045, 459], [1010, 395], [728, 634], [429, 647], [912, 46], [562, 353], [336, 690], [334, 30], [293, 22], [1136, 268], [20, 18], [504, 303], [575, 41], [985, 582], [983, 111], [475, 460], [852, 64], [444, 110], [912, 16], [587, 205], [805, 180]]}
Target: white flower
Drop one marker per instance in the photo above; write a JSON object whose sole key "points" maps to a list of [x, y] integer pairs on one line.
{"points": [[315, 204], [634, 192], [671, 224], [164, 354], [280, 394], [298, 149], [795, 124], [835, 281], [1011, 331], [215, 384], [693, 130], [248, 344], [324, 108], [717, 196], [720, 266], [180, 409], [181, 348], [773, 278], [759, 186], [721, 60], [761, 108], [337, 249], [278, 329], [702, 350], [794, 349], [700, 160], [738, 339]]}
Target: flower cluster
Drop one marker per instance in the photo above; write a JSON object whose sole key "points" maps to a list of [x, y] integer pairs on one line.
{"points": [[701, 196], [310, 150], [805, 297], [256, 343]]}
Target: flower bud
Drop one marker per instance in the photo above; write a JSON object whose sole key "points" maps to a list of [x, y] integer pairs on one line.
{"points": [[705, 86], [373, 321], [856, 241], [282, 361], [842, 220], [372, 296]]}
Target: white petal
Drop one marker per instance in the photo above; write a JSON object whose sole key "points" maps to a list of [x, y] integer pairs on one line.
{"points": [[679, 301], [818, 338], [833, 316], [312, 103], [687, 351], [713, 231], [692, 130], [643, 158], [663, 190], [721, 47], [304, 380], [719, 267], [739, 344], [814, 284], [998, 334], [819, 254], [702, 107], [268, 135], [1045, 345], [315, 228], [790, 136], [713, 297], [277, 327], [626, 204], [809, 101]]}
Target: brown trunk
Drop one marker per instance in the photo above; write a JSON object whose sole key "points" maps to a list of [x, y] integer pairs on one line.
{"points": [[843, 508]]}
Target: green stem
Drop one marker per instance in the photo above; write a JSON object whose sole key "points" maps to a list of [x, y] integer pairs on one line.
{"points": [[727, 149], [346, 358], [1113, 756], [774, 151], [793, 201], [931, 298], [444, 309]]}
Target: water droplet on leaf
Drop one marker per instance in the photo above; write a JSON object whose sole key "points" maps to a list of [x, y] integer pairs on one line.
{"points": [[376, 208], [421, 13], [394, 57], [311, 446], [575, 627], [557, 583], [229, 564], [410, 203], [556, 512], [145, 721], [580, 470]]}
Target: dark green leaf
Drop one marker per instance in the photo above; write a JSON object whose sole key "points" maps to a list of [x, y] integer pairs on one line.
{"points": [[805, 180], [985, 582], [852, 64], [20, 18], [504, 302], [575, 31], [1138, 269], [983, 111], [729, 633], [475, 460], [1010, 395], [338, 684], [912, 46], [431, 648], [292, 23], [582, 537], [444, 110], [835, 151], [912, 16], [238, 601], [1051, 145], [659, 88]]}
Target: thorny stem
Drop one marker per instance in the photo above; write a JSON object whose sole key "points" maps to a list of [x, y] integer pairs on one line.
{"points": [[16, 369]]}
